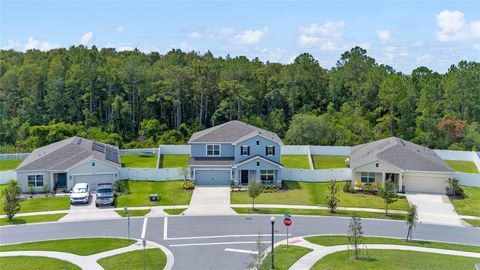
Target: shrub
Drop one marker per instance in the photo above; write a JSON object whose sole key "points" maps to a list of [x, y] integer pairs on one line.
{"points": [[368, 188], [10, 196], [188, 185], [45, 188], [358, 184], [375, 187], [121, 187], [347, 186]]}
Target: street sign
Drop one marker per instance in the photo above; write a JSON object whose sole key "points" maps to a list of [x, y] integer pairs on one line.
{"points": [[287, 221], [287, 215]]}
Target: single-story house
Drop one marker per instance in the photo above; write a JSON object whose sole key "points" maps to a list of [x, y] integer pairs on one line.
{"points": [[413, 168], [235, 151], [58, 166]]}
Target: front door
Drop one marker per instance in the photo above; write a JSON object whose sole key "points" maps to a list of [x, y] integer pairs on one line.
{"points": [[61, 180], [244, 177]]}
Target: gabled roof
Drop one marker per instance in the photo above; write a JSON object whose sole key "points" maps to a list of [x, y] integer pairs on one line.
{"points": [[230, 132], [64, 154], [402, 154]]}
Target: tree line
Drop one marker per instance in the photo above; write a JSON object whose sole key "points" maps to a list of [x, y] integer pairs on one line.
{"points": [[136, 99]]}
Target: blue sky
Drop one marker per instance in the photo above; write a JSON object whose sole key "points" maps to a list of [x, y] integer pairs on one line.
{"points": [[402, 34]]}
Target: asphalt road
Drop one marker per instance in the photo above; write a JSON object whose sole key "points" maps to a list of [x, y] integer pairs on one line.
{"points": [[200, 242]]}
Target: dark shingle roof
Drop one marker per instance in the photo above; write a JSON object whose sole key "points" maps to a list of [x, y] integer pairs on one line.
{"points": [[63, 154], [230, 132], [210, 161], [402, 154]]}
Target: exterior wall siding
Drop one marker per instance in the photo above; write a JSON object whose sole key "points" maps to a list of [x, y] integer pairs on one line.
{"points": [[86, 168], [23, 180], [257, 149], [200, 150]]}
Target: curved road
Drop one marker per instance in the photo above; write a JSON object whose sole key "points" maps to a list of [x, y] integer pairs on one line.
{"points": [[200, 242]]}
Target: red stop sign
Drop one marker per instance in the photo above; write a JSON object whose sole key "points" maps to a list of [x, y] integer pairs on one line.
{"points": [[287, 221]]}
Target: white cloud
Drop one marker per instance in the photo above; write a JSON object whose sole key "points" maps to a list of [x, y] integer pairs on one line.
{"points": [[126, 47], [249, 37], [86, 38], [424, 59], [12, 45], [216, 34], [184, 46], [476, 47], [383, 36], [327, 36], [452, 26], [275, 55], [393, 52], [119, 29], [32, 43]]}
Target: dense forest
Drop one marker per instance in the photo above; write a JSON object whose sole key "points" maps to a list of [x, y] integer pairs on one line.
{"points": [[136, 99]]}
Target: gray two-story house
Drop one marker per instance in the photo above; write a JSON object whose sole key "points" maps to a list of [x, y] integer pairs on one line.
{"points": [[235, 151]]}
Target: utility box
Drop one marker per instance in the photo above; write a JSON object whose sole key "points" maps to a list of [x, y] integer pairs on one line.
{"points": [[154, 197]]}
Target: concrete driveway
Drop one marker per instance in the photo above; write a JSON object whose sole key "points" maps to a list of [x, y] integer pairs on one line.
{"points": [[89, 212], [210, 200], [435, 209]]}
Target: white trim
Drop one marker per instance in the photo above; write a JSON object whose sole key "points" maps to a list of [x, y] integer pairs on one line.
{"points": [[257, 157], [36, 174], [210, 165], [100, 173], [213, 144], [89, 159], [253, 134], [211, 169]]}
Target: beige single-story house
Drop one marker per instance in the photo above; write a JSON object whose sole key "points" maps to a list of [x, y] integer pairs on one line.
{"points": [[60, 165], [412, 167]]}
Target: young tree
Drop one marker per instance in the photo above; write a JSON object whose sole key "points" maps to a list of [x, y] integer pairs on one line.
{"points": [[388, 194], [184, 172], [411, 220], [332, 196], [355, 234], [10, 196], [258, 256], [254, 190], [453, 184]]}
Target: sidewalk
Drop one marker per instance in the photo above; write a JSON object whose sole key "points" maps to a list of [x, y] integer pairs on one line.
{"points": [[316, 207]]}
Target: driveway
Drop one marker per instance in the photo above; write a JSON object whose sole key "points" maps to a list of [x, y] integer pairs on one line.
{"points": [[435, 209], [210, 200], [89, 212]]}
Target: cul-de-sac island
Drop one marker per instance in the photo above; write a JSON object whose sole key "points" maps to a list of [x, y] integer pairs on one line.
{"points": [[239, 135]]}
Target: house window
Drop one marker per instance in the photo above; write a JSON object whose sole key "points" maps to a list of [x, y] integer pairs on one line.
{"points": [[267, 175], [376, 165], [258, 164], [35, 180], [213, 149], [368, 177], [245, 150], [270, 150], [258, 142], [93, 164]]}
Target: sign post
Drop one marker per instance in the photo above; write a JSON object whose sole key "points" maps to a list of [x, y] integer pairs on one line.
{"points": [[287, 221]]}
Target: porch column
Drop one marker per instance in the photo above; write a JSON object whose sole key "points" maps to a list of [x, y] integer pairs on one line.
{"points": [[400, 181], [383, 179]]}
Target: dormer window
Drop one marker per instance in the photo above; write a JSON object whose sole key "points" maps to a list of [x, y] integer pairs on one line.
{"points": [[245, 150], [270, 150], [258, 142], [213, 150]]}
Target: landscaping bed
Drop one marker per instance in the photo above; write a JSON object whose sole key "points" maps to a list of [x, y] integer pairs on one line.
{"points": [[329, 162], [31, 219], [138, 193], [295, 161], [462, 166], [470, 204], [154, 259], [37, 263], [139, 161], [9, 164], [174, 161], [319, 212]]}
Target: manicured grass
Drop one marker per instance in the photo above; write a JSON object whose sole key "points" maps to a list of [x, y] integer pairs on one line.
{"points": [[31, 219], [173, 161], [139, 161], [285, 257], [328, 162], [37, 263], [80, 246], [133, 213], [318, 212], [9, 164], [394, 260], [176, 211], [294, 161], [50, 203], [473, 222], [334, 240], [133, 260], [141, 190], [306, 193], [462, 166], [470, 205]]}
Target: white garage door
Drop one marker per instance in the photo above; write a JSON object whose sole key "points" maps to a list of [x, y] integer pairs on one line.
{"points": [[212, 177], [425, 184], [93, 180]]}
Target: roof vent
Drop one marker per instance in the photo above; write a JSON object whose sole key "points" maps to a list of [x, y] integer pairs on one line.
{"points": [[79, 141]]}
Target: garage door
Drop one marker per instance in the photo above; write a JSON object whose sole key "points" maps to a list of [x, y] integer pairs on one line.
{"points": [[212, 177], [425, 184], [93, 180]]}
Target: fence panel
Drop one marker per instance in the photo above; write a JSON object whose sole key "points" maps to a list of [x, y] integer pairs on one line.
{"points": [[330, 150], [172, 149], [294, 149], [316, 175], [5, 176], [454, 155], [476, 159], [14, 156], [138, 151], [150, 174], [468, 179]]}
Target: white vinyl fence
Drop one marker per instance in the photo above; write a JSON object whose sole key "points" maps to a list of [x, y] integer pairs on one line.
{"points": [[5, 176], [316, 175], [295, 150], [330, 150], [468, 179], [14, 156], [137, 151], [150, 174], [171, 149]]}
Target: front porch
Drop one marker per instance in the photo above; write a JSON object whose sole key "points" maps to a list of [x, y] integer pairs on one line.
{"points": [[264, 177], [379, 178]]}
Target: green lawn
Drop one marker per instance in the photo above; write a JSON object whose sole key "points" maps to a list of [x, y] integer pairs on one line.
{"points": [[140, 191], [462, 166], [80, 246], [328, 162], [471, 204], [473, 222], [35, 263], [174, 161], [334, 240], [138, 161], [176, 211], [285, 257], [133, 213], [306, 193], [42, 204], [9, 164], [31, 219], [318, 212], [394, 260], [294, 161], [133, 260]]}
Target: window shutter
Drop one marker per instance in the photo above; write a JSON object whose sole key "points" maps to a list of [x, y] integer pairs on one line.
{"points": [[248, 150], [273, 147], [266, 150]]}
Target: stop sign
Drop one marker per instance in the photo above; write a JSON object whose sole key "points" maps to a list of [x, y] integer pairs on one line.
{"points": [[287, 221]]}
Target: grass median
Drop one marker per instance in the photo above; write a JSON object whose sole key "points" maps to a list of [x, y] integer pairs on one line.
{"points": [[133, 260], [285, 257], [176, 211], [36, 263], [133, 213], [31, 219]]}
